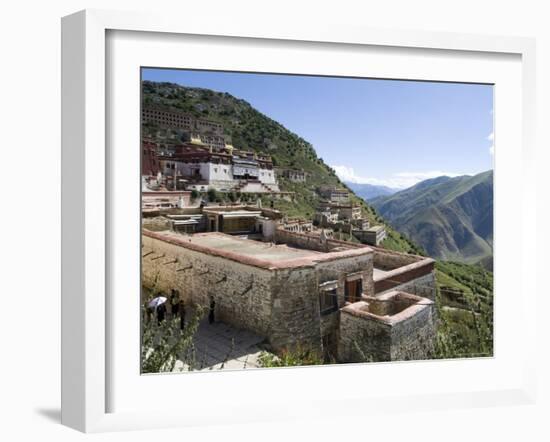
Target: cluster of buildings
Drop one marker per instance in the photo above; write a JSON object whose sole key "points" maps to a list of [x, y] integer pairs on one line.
{"points": [[347, 302], [293, 175], [337, 212], [286, 280], [194, 166], [205, 160], [206, 132]]}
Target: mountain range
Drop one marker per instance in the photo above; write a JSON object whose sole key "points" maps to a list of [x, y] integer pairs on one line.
{"points": [[451, 218], [370, 191]]}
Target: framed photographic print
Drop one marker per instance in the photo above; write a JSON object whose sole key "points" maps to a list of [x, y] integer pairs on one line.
{"points": [[317, 215]]}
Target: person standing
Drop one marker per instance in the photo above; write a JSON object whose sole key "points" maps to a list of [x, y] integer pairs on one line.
{"points": [[161, 313], [174, 303], [211, 317]]}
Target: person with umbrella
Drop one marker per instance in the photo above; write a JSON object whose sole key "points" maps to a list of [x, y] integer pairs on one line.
{"points": [[157, 304]]}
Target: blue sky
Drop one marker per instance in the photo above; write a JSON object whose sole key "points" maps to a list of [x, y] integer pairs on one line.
{"points": [[385, 132]]}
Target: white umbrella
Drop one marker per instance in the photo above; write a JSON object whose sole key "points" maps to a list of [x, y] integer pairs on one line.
{"points": [[155, 302]]}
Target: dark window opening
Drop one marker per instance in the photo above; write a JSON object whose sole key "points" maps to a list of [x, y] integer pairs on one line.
{"points": [[328, 301]]}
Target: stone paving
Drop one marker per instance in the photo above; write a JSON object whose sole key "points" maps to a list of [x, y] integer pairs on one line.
{"points": [[221, 346]]}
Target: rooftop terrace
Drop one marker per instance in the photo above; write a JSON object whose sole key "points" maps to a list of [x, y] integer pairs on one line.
{"points": [[253, 249], [256, 253]]}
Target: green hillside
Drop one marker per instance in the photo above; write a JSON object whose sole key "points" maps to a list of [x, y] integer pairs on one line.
{"points": [[451, 218], [464, 297], [465, 309]]}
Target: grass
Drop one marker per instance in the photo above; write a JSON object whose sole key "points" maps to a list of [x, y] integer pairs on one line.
{"points": [[289, 358], [464, 301]]}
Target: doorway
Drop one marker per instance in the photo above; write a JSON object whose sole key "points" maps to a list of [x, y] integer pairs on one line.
{"points": [[353, 290]]}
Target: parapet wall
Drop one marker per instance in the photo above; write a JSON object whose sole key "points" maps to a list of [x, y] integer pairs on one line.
{"points": [[420, 285], [410, 273], [299, 240], [388, 260], [312, 242]]}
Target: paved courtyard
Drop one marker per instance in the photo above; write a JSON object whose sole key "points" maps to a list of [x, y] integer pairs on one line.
{"points": [[220, 346]]}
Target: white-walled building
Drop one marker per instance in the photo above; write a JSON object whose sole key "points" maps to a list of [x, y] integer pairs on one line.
{"points": [[224, 170]]}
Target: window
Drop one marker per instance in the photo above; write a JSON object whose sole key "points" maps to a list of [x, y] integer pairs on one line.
{"points": [[328, 300]]}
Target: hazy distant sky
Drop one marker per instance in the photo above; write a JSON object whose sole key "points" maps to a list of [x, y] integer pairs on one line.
{"points": [[387, 132]]}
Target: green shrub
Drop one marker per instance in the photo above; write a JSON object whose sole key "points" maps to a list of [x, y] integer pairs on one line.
{"points": [[212, 195], [162, 344], [290, 358]]}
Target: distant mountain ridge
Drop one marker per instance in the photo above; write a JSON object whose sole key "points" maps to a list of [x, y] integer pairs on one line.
{"points": [[451, 218], [370, 191]]}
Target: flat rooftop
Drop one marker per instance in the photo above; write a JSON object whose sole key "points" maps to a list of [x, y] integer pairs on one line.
{"points": [[250, 252], [253, 249], [375, 229]]}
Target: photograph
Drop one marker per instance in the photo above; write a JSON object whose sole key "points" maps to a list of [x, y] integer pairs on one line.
{"points": [[298, 220]]}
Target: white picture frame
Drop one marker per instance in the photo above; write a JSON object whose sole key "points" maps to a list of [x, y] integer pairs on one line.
{"points": [[86, 215]]}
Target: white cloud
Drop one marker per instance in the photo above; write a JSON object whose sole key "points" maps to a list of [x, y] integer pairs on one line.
{"points": [[400, 180], [491, 138]]}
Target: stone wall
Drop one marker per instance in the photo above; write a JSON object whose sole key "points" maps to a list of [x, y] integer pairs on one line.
{"points": [[409, 273], [414, 338], [388, 260], [282, 305], [363, 340], [338, 270], [242, 293], [409, 335], [421, 286], [295, 319], [312, 242]]}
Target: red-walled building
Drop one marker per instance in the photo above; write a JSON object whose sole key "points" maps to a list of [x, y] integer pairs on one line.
{"points": [[149, 160]]}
